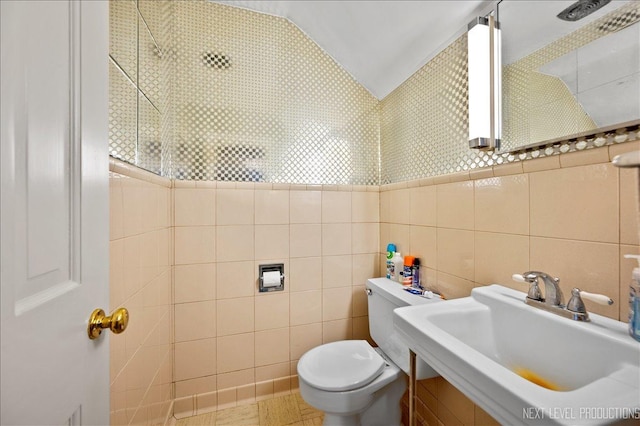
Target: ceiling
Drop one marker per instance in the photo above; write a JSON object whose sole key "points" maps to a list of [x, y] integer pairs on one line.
{"points": [[382, 43]]}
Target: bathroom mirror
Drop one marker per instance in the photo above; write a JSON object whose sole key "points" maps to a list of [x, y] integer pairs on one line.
{"points": [[565, 78]]}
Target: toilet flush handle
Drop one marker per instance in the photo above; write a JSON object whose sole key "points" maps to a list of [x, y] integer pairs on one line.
{"points": [[368, 291]]}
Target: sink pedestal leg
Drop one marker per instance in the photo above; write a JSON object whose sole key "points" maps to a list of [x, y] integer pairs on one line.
{"points": [[412, 388]]}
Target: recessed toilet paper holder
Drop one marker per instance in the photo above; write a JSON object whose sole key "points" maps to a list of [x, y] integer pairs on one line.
{"points": [[271, 277]]}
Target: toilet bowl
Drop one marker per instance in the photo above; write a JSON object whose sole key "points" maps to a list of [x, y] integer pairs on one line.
{"points": [[354, 383]]}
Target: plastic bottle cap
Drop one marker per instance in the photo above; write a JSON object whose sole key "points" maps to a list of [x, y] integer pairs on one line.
{"points": [[408, 260], [391, 247], [636, 270], [416, 261]]}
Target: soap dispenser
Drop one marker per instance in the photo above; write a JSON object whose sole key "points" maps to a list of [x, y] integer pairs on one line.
{"points": [[634, 299]]}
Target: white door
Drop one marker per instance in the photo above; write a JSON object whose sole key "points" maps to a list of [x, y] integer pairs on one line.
{"points": [[54, 211]]}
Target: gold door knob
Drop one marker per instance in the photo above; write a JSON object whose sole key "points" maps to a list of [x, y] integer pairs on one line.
{"points": [[116, 322]]}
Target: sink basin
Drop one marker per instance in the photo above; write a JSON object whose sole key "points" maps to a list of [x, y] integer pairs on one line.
{"points": [[524, 365]]}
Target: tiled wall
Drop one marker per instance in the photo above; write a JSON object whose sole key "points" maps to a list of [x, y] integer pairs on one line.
{"points": [[139, 82], [234, 345], [572, 215], [255, 99], [140, 280]]}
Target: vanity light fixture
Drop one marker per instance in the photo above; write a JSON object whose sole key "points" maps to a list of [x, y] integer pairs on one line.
{"points": [[485, 81]]}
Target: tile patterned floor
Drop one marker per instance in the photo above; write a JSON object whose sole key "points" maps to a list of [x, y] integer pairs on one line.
{"points": [[288, 410]]}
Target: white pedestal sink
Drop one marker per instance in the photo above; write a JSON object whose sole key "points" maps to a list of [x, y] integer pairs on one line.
{"points": [[484, 345]]}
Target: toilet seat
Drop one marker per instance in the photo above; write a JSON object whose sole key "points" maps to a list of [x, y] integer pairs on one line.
{"points": [[341, 366]]}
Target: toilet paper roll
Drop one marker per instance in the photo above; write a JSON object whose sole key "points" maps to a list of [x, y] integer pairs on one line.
{"points": [[271, 279]]}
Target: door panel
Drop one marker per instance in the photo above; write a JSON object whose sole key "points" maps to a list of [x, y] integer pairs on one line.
{"points": [[54, 210]]}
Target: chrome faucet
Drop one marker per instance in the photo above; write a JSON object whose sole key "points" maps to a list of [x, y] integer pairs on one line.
{"points": [[553, 301], [552, 293]]}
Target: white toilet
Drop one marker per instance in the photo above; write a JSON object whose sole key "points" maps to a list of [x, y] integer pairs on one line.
{"points": [[355, 383]]}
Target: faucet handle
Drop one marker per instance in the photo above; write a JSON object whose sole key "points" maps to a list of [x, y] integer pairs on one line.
{"points": [[600, 299], [577, 305], [534, 291]]}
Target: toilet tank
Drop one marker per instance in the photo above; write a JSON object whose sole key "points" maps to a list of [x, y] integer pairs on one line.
{"points": [[385, 295]]}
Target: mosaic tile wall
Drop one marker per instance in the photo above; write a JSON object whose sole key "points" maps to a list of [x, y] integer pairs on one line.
{"points": [[257, 100], [139, 79], [424, 122]]}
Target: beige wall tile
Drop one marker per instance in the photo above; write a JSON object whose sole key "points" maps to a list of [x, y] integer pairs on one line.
{"points": [[452, 287], [359, 300], [336, 239], [455, 205], [272, 346], [621, 148], [541, 164], [626, 270], [456, 252], [333, 331], [482, 418], [336, 303], [365, 206], [195, 244], [184, 407], [117, 290], [364, 266], [423, 207], [234, 243], [629, 205], [455, 401], [575, 203], [235, 207], [206, 404], [235, 316], [593, 267], [306, 307], [272, 241], [583, 158], [227, 398], [196, 358], [336, 207], [264, 390], [271, 207], [385, 231], [196, 320], [116, 209], [360, 329], [499, 256], [365, 237], [305, 240], [423, 245], [303, 338], [234, 379], [400, 206], [235, 279], [194, 207], [508, 169], [502, 204], [305, 206], [272, 311], [400, 235], [336, 271], [306, 274], [235, 352], [194, 283], [273, 371], [195, 386], [385, 206]]}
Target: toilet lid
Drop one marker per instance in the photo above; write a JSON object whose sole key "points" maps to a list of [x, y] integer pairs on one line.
{"points": [[341, 366]]}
